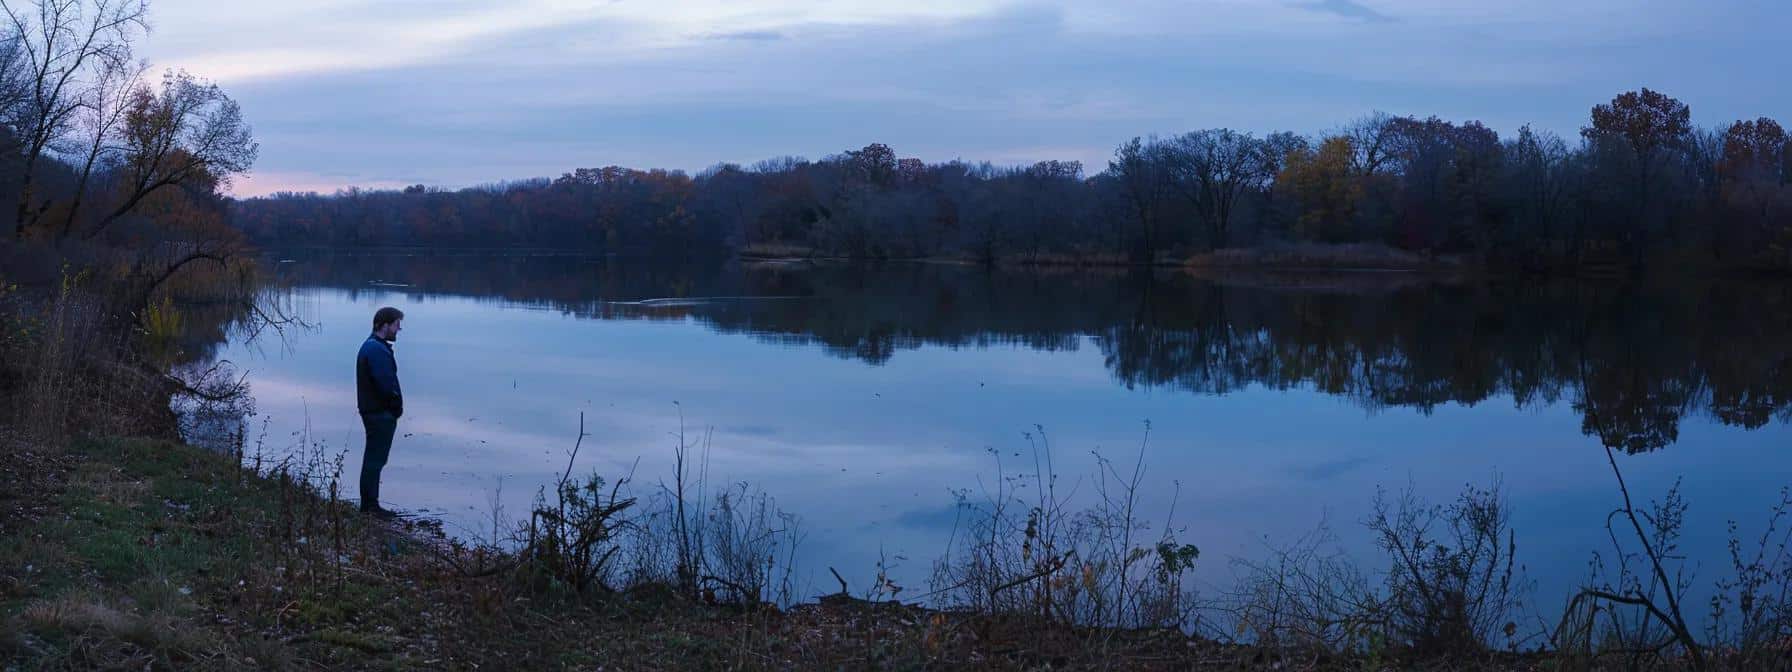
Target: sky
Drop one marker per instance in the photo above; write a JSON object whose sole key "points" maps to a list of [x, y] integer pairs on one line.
{"points": [[453, 93]]}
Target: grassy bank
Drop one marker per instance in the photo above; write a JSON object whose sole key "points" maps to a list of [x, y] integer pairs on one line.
{"points": [[149, 554], [146, 554]]}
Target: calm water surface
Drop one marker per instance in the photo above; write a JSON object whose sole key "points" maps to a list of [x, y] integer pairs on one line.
{"points": [[862, 398]]}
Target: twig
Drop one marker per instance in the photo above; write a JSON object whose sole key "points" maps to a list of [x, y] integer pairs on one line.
{"points": [[1055, 565], [575, 452]]}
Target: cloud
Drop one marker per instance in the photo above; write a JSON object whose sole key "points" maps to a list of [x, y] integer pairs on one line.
{"points": [[465, 92], [746, 36], [264, 183], [364, 35], [1349, 9]]}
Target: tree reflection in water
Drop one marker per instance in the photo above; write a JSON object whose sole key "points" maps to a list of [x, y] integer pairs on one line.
{"points": [[1634, 359]]}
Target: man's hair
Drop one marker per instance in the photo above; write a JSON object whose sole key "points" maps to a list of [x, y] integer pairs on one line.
{"points": [[385, 316]]}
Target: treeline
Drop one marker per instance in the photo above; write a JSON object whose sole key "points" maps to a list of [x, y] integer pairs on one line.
{"points": [[1640, 183]]}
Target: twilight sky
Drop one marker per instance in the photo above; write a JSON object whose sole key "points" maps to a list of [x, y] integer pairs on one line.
{"points": [[459, 92]]}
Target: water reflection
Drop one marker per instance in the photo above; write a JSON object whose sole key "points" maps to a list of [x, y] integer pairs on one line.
{"points": [[1634, 361]]}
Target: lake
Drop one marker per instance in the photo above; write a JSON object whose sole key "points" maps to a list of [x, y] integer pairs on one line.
{"points": [[866, 398]]}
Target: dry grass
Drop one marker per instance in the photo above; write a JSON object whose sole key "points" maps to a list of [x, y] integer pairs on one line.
{"points": [[96, 635], [1020, 549]]}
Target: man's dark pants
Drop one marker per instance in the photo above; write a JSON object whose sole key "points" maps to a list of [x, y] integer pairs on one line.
{"points": [[380, 427]]}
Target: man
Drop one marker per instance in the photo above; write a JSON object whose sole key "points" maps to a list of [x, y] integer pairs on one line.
{"points": [[380, 401]]}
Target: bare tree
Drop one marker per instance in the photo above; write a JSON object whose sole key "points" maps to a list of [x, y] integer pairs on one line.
{"points": [[65, 47], [1139, 169], [1372, 137], [1536, 163], [13, 86], [1214, 169], [97, 126]]}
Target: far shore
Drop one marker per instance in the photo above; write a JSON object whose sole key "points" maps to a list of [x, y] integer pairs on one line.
{"points": [[1231, 264], [1353, 258]]}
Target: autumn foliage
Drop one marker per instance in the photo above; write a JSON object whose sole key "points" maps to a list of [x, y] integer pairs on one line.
{"points": [[1639, 186]]}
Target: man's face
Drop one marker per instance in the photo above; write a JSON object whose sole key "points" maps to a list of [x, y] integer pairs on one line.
{"points": [[390, 331]]}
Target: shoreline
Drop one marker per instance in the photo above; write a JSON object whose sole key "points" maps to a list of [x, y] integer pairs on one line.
{"points": [[150, 552], [163, 552], [1200, 265]]}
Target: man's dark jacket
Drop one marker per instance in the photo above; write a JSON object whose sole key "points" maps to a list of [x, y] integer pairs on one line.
{"points": [[376, 379]]}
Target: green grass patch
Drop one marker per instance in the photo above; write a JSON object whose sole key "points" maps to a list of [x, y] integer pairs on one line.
{"points": [[147, 530]]}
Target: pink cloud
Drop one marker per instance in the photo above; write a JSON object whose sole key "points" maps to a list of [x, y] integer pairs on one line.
{"points": [[262, 183]]}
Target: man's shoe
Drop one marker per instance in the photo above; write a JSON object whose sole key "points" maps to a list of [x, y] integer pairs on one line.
{"points": [[380, 512]]}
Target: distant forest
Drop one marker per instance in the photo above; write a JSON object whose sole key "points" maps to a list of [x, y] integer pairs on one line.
{"points": [[1640, 185]]}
